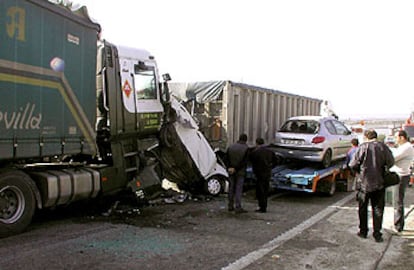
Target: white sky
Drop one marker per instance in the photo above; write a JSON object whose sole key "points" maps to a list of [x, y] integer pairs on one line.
{"points": [[358, 54]]}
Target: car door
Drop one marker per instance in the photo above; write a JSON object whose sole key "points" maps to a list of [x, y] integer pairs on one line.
{"points": [[332, 138], [343, 138]]}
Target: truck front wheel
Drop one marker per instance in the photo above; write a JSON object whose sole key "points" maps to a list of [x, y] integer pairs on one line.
{"points": [[17, 202]]}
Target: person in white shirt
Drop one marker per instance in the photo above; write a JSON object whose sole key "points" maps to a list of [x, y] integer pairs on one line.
{"points": [[403, 157]]}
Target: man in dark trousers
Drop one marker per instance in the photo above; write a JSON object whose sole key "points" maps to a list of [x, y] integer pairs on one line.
{"points": [[236, 163], [370, 159], [263, 160]]}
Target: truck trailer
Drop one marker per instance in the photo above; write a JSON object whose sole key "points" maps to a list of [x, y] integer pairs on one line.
{"points": [[226, 109], [82, 118]]}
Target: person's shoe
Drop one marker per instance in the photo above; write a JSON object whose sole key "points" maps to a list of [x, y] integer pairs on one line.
{"points": [[362, 235], [231, 208], [260, 211], [240, 211], [379, 239]]}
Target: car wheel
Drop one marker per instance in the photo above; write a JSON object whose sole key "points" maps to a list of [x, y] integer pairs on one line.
{"points": [[214, 185], [17, 202], [327, 158]]}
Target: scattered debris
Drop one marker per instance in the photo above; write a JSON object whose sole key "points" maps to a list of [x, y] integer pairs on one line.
{"points": [[275, 257], [116, 208], [111, 209]]}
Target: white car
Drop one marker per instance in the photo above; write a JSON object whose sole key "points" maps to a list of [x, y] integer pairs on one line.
{"points": [[203, 156], [313, 138]]}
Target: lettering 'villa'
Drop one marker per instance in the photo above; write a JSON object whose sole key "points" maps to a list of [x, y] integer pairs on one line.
{"points": [[22, 119]]}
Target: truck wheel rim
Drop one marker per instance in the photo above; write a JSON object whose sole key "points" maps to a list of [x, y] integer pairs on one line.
{"points": [[11, 204]]}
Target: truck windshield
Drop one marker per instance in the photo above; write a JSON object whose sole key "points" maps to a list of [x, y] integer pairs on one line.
{"points": [[145, 85]]}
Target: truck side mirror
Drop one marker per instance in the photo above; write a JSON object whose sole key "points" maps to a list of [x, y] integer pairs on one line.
{"points": [[166, 77]]}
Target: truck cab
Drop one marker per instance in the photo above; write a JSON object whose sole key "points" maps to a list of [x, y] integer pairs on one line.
{"points": [[129, 111], [128, 91]]}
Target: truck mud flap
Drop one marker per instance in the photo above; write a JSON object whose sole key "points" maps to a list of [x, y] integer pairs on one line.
{"points": [[147, 185]]}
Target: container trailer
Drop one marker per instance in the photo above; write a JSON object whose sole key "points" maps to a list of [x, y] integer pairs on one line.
{"points": [[226, 109]]}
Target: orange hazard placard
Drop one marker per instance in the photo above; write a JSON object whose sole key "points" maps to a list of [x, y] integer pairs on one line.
{"points": [[127, 88]]}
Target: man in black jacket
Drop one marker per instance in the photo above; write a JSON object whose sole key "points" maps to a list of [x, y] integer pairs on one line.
{"points": [[236, 163], [369, 161], [263, 160]]}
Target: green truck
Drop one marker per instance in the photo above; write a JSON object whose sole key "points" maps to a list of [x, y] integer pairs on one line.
{"points": [[80, 117]]}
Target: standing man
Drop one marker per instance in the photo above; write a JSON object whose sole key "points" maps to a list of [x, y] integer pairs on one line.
{"points": [[369, 161], [403, 156], [263, 160], [237, 161]]}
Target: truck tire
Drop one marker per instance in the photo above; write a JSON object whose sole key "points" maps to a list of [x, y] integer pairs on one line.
{"points": [[17, 202], [214, 185]]}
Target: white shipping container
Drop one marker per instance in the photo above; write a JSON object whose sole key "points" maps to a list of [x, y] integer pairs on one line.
{"points": [[226, 109]]}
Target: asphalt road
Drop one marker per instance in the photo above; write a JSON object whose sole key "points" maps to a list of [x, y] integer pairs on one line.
{"points": [[198, 233]]}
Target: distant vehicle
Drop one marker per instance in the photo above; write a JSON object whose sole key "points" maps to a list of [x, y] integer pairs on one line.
{"points": [[313, 138], [408, 126], [389, 140], [359, 130]]}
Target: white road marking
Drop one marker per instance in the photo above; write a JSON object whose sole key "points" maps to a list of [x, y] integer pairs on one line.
{"points": [[276, 242]]}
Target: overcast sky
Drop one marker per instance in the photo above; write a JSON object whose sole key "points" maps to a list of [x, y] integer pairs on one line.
{"points": [[358, 54]]}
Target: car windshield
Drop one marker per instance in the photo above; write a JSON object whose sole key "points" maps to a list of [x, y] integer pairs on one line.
{"points": [[300, 126]]}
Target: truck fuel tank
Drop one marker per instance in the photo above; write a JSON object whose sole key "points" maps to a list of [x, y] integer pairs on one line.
{"points": [[64, 186]]}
